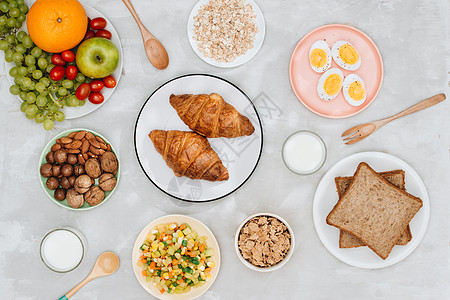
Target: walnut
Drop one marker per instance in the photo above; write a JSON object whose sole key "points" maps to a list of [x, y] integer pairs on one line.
{"points": [[94, 196], [107, 182], [83, 183], [78, 170], [65, 183], [109, 162], [92, 168], [72, 180], [74, 198]]}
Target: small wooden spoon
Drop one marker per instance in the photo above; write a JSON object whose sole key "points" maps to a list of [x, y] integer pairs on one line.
{"points": [[106, 264], [156, 52]]}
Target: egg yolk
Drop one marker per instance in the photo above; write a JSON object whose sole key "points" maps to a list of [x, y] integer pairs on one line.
{"points": [[318, 58], [348, 54], [356, 91], [332, 84]]}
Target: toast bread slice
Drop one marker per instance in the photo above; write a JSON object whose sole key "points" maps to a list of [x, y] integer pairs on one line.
{"points": [[374, 210], [397, 178]]}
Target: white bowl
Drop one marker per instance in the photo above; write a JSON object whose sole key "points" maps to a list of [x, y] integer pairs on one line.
{"points": [[274, 267]]}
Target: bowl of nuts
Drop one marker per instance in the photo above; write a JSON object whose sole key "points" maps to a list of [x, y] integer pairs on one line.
{"points": [[79, 169]]}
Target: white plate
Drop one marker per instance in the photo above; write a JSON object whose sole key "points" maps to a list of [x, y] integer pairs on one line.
{"points": [[198, 227], [239, 155], [88, 107], [259, 37], [326, 197]]}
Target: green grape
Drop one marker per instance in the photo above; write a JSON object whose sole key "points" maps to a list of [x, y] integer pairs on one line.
{"points": [[45, 81], [49, 68], [32, 86], [31, 110], [23, 9], [49, 59], [23, 96], [10, 38], [68, 84], [59, 116], [43, 55], [20, 2], [18, 63], [27, 42], [39, 118], [4, 7], [76, 85], [14, 89], [36, 52], [14, 12], [3, 20], [45, 93], [26, 82], [31, 97], [49, 116], [29, 117], [21, 35], [81, 102], [37, 74], [31, 69], [21, 49], [72, 101], [41, 101], [88, 80], [62, 91], [11, 22], [40, 87], [24, 106], [23, 71], [42, 63], [53, 108], [12, 4], [18, 80], [80, 77], [9, 56], [48, 124], [21, 18], [64, 102], [14, 71], [17, 57], [53, 88], [3, 44], [30, 60]]}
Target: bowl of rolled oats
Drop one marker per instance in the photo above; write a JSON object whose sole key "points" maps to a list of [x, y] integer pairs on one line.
{"points": [[264, 242], [226, 33]]}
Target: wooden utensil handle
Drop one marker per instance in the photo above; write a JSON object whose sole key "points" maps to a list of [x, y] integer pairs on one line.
{"points": [[135, 16], [76, 288], [419, 106]]}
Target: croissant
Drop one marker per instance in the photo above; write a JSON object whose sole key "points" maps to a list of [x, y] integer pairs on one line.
{"points": [[189, 154], [211, 116]]}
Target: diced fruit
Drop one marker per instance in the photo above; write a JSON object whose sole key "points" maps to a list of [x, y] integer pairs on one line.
{"points": [[96, 86], [58, 60], [83, 91], [96, 98], [104, 34], [57, 73], [98, 23], [68, 56], [71, 72]]}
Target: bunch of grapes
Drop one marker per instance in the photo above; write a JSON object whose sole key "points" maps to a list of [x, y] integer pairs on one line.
{"points": [[42, 97]]}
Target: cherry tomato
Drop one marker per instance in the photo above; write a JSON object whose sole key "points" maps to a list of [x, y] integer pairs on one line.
{"points": [[97, 23], [71, 72], [83, 91], [96, 86], [96, 98], [58, 60], [89, 34], [68, 56], [109, 81], [57, 73], [104, 34]]}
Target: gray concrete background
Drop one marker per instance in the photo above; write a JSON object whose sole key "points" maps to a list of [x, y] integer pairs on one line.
{"points": [[413, 38]]}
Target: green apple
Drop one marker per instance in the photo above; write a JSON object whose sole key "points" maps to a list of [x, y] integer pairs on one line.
{"points": [[97, 57]]}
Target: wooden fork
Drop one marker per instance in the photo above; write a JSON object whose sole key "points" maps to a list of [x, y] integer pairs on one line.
{"points": [[357, 133]]}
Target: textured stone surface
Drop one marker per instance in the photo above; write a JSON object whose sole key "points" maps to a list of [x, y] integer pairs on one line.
{"points": [[413, 39]]}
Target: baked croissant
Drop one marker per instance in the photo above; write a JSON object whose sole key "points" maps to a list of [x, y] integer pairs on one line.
{"points": [[211, 116], [189, 154]]}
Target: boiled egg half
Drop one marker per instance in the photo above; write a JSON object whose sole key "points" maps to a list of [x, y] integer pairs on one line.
{"points": [[346, 55], [330, 84], [354, 90], [320, 56]]}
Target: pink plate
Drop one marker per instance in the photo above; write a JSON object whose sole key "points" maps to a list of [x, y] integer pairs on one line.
{"points": [[304, 79]]}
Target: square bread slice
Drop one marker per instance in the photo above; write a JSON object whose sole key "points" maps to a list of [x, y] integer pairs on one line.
{"points": [[397, 178], [374, 210]]}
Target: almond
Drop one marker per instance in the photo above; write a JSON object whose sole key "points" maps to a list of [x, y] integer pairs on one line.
{"points": [[85, 156], [92, 155], [89, 136], [81, 160], [108, 147], [80, 135], [101, 151], [100, 139], [66, 140], [94, 150], [85, 146], [55, 147], [75, 144], [94, 143], [74, 151], [72, 135], [58, 141]]}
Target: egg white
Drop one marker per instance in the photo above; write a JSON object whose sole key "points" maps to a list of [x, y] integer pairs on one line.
{"points": [[320, 90], [321, 44], [339, 61], [347, 81]]}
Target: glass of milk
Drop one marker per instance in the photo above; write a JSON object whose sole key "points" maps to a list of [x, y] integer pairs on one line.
{"points": [[63, 249], [304, 152]]}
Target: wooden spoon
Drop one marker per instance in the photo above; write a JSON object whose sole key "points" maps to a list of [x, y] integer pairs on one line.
{"points": [[156, 52], [106, 264]]}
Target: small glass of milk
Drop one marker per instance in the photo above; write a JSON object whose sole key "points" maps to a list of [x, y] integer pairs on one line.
{"points": [[304, 152], [63, 249]]}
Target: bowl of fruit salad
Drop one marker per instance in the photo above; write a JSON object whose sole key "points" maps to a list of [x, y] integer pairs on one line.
{"points": [[176, 257]]}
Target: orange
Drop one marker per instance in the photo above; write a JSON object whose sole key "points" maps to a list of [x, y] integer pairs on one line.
{"points": [[57, 25]]}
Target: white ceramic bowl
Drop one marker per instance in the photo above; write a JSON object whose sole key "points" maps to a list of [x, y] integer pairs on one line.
{"points": [[274, 267]]}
